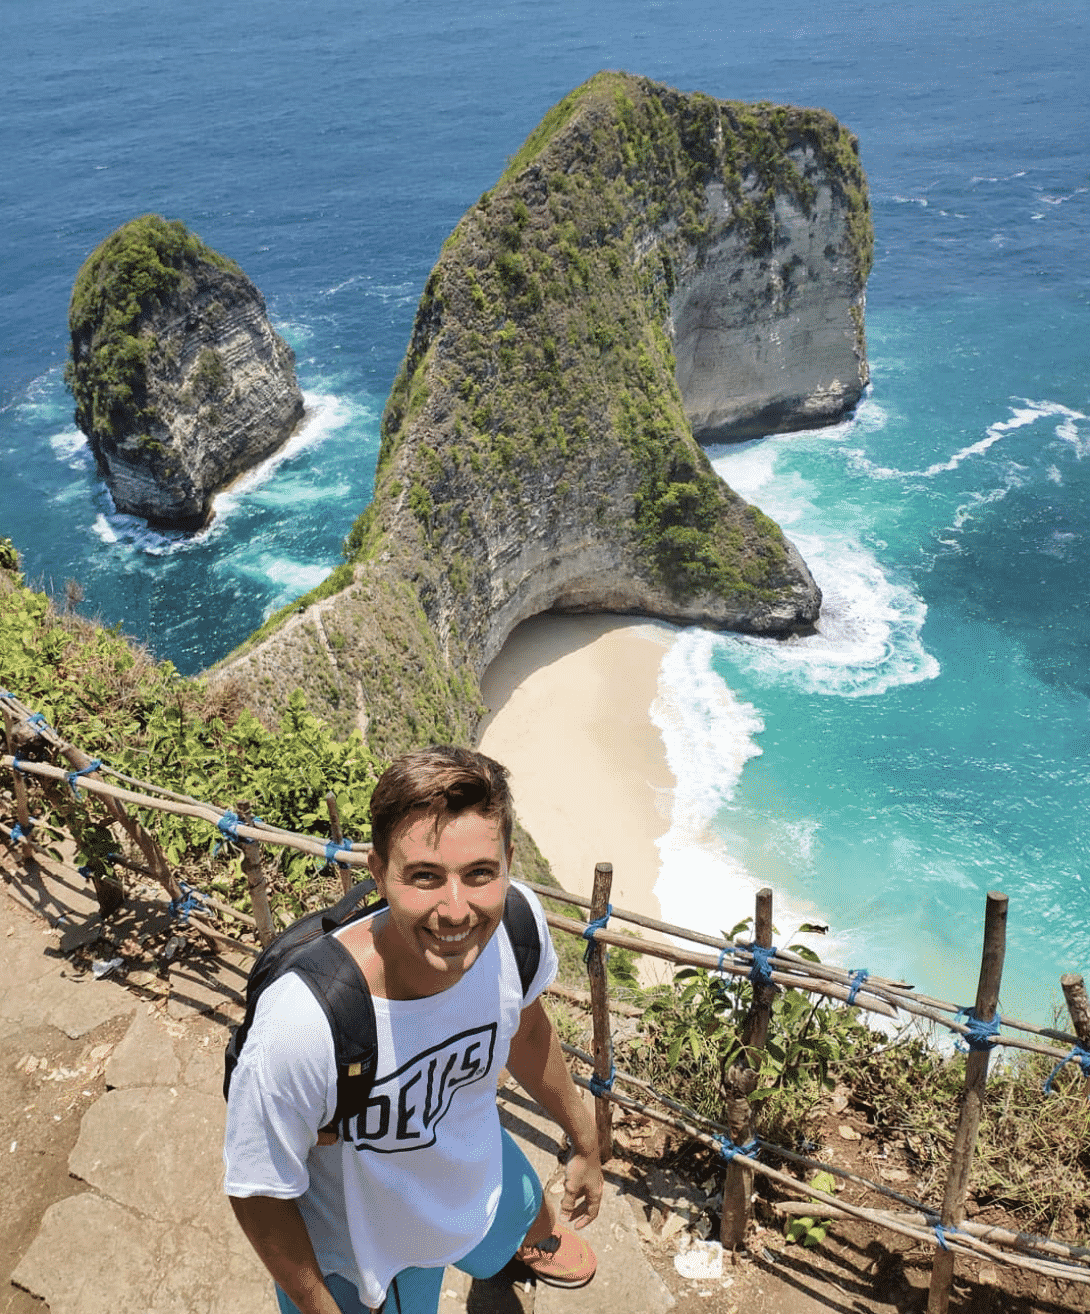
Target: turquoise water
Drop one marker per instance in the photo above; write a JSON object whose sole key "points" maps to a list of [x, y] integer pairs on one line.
{"points": [[930, 743]]}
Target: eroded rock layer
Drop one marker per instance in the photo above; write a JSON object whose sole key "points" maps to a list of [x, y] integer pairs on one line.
{"points": [[180, 381]]}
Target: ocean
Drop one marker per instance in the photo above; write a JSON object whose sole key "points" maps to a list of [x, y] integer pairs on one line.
{"points": [[931, 741]]}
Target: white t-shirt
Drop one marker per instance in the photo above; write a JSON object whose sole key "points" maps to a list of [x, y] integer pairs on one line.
{"points": [[418, 1182]]}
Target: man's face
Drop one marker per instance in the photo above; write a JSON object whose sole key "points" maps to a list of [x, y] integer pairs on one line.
{"points": [[446, 883]]}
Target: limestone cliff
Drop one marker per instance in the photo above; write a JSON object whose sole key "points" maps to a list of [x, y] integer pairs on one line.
{"points": [[538, 452], [180, 381]]}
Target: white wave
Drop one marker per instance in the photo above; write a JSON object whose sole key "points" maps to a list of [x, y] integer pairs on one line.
{"points": [[1029, 412], [339, 287], [967, 510], [114, 528], [324, 414], [104, 529], [295, 332], [67, 444], [869, 633], [1068, 431], [708, 735], [293, 578], [399, 293], [71, 447]]}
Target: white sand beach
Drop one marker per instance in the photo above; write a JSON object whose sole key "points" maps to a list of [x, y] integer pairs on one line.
{"points": [[570, 700]]}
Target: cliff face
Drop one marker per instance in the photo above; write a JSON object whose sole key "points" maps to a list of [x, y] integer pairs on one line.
{"points": [[180, 381], [538, 452], [772, 339]]}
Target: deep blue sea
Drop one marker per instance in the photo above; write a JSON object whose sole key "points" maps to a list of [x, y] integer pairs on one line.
{"points": [[932, 742]]}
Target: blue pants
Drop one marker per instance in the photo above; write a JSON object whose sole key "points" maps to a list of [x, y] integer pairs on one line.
{"points": [[417, 1290]]}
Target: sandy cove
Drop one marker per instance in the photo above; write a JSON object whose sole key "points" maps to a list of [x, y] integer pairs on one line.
{"points": [[570, 700]]}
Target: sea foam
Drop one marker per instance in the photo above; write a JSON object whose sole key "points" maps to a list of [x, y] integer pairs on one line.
{"points": [[709, 735], [869, 633]]}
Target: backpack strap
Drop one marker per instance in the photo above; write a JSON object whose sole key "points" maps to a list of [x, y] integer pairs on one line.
{"points": [[338, 985], [349, 907], [521, 926]]}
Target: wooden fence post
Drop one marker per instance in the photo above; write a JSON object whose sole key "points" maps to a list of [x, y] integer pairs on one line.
{"points": [[1078, 1005], [739, 1083], [972, 1097], [599, 1001], [337, 835], [148, 845], [255, 878], [22, 807]]}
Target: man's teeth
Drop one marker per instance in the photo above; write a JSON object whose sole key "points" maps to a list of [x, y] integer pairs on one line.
{"points": [[451, 939]]}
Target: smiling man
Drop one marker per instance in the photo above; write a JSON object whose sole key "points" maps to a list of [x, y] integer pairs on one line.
{"points": [[424, 1176]]}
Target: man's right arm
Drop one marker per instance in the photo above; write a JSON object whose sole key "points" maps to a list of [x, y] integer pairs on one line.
{"points": [[276, 1230], [280, 1093]]}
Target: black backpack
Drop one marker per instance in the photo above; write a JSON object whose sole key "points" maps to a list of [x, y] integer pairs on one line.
{"points": [[308, 948]]}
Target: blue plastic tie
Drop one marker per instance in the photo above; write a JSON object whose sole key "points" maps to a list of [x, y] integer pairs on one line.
{"points": [[723, 953], [228, 826], [1081, 1057], [5, 694], [73, 776], [760, 973], [980, 1035], [17, 764], [333, 848], [728, 1149], [85, 872], [599, 924], [190, 899], [18, 833], [39, 723], [601, 1086], [940, 1236], [857, 979]]}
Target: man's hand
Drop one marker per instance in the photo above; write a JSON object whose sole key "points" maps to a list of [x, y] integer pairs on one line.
{"points": [[276, 1230], [537, 1061], [582, 1189]]}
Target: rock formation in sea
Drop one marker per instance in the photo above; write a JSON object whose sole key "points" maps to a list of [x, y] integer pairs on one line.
{"points": [[652, 268], [180, 381]]}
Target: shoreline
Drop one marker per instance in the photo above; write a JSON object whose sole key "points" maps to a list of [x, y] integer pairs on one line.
{"points": [[570, 716]]}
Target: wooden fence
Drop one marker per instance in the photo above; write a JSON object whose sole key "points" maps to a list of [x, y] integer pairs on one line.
{"points": [[769, 969]]}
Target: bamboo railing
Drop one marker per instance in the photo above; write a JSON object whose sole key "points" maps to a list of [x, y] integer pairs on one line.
{"points": [[769, 969]]}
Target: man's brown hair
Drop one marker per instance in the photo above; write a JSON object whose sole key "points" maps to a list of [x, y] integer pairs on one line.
{"points": [[439, 779]]}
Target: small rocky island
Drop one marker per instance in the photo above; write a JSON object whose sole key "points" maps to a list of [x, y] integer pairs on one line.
{"points": [[654, 269], [180, 381]]}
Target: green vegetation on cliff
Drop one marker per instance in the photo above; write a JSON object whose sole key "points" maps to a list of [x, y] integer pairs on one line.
{"points": [[536, 451], [133, 271], [145, 720], [541, 338]]}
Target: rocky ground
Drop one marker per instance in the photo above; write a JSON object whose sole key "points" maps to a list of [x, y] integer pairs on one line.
{"points": [[110, 1126]]}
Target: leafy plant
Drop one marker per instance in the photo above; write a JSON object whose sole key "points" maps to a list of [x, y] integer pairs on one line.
{"points": [[693, 1036], [806, 1229], [143, 719]]}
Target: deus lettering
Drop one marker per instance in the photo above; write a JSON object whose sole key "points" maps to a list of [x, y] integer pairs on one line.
{"points": [[406, 1107]]}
